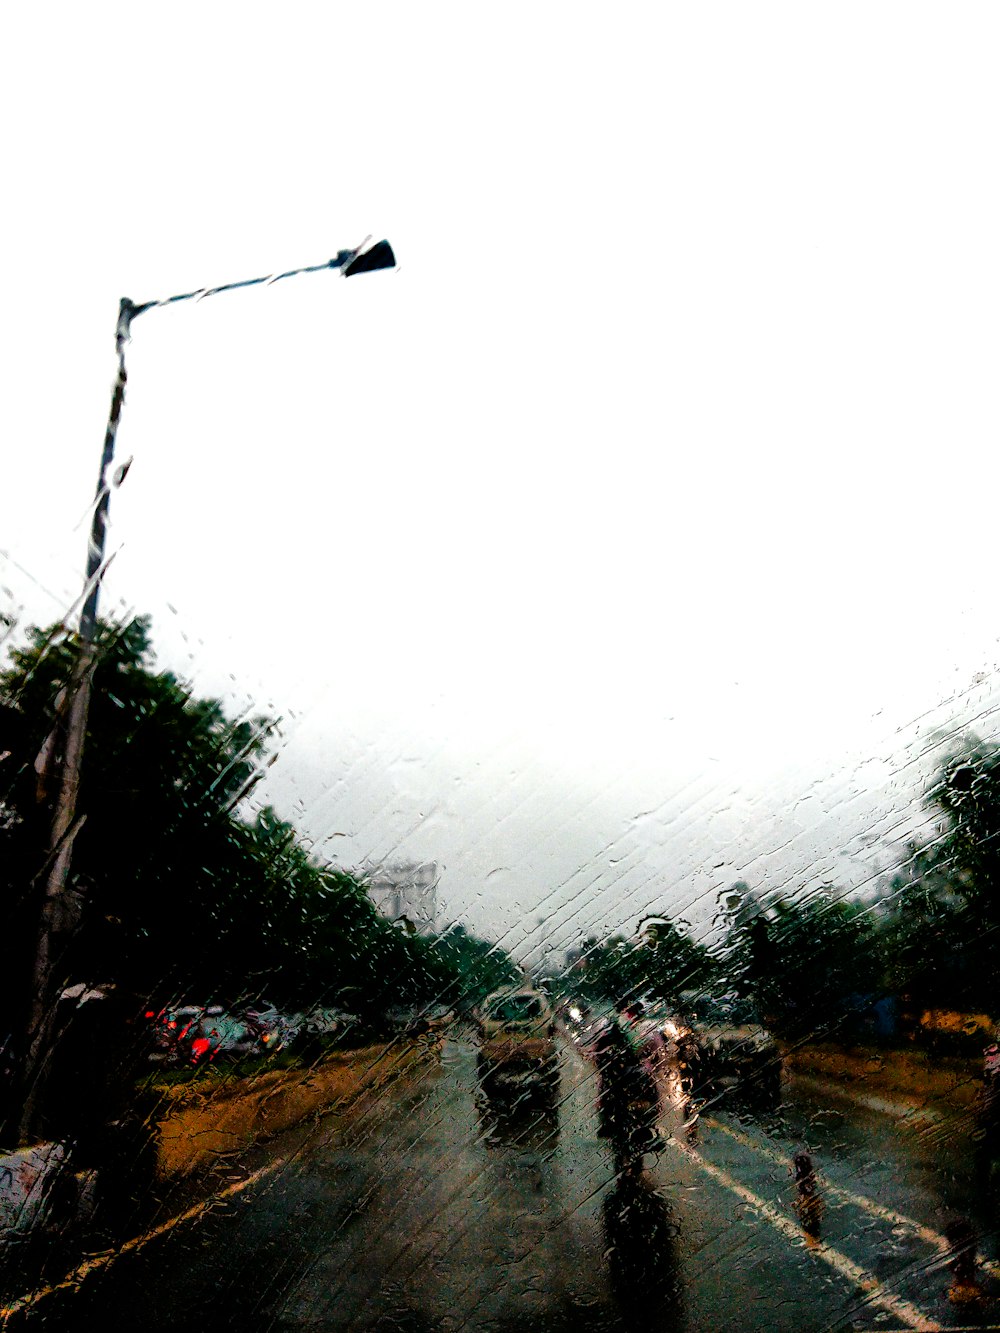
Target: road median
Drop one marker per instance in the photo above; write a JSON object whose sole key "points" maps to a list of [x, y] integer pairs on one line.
{"points": [[201, 1123], [903, 1073]]}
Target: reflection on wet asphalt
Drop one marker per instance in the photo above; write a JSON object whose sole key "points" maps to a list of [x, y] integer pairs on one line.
{"points": [[639, 1231], [430, 1208]]}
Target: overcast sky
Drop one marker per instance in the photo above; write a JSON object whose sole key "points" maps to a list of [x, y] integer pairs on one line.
{"points": [[627, 539]]}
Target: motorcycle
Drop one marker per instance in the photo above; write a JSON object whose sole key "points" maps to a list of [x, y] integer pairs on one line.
{"points": [[628, 1112]]}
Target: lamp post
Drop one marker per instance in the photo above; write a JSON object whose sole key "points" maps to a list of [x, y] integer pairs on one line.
{"points": [[60, 910]]}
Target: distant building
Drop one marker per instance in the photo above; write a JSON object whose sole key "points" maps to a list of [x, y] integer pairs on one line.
{"points": [[405, 892]]}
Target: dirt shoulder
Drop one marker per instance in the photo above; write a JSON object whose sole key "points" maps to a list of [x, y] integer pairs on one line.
{"points": [[203, 1123], [902, 1074]]}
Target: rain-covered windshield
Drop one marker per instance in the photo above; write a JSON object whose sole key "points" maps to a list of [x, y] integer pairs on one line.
{"points": [[516, 1009], [726, 1010], [500, 668]]}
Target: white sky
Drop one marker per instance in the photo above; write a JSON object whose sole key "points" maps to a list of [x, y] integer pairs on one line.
{"points": [[610, 549]]}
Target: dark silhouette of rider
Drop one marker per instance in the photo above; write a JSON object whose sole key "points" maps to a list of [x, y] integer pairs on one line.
{"points": [[623, 1080]]}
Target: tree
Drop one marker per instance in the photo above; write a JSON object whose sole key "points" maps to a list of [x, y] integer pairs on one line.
{"points": [[181, 895], [161, 775], [672, 961], [803, 959], [663, 962], [942, 920], [471, 967]]}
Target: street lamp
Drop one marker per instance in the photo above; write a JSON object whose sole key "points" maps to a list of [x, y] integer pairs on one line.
{"points": [[59, 913]]}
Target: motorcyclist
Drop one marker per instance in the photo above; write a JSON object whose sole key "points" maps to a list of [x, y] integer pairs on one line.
{"points": [[647, 1038], [624, 1081]]}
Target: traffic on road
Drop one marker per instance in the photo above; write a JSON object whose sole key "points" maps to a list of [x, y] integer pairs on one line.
{"points": [[552, 1167]]}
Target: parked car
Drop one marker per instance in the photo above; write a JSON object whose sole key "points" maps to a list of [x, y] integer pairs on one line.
{"points": [[723, 1048], [275, 1030], [325, 1022], [517, 1048], [173, 1030], [419, 1021], [218, 1034]]}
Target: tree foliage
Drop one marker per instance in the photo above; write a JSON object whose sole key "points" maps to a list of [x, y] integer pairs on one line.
{"points": [[660, 964], [807, 960], [943, 909], [472, 967], [182, 893]]}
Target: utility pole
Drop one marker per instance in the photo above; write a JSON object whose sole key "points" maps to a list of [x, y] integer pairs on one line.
{"points": [[60, 907]]}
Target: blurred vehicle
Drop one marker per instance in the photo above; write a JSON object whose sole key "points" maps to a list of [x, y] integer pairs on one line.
{"points": [[420, 1021], [987, 1136], [651, 1029], [576, 1016], [628, 1100], [583, 1021], [431, 1022], [323, 1029], [195, 1034], [867, 1018], [952, 1030], [634, 1129], [218, 1033], [991, 1059], [438, 1017], [326, 1022], [274, 1030], [722, 1047], [173, 1029], [517, 1049]]}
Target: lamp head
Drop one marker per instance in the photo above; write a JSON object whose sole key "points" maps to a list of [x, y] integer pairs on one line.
{"points": [[379, 256]]}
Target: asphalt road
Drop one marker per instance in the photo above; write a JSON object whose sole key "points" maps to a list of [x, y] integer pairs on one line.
{"points": [[424, 1211]]}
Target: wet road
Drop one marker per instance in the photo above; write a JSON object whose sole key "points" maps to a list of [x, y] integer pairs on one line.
{"points": [[423, 1211]]}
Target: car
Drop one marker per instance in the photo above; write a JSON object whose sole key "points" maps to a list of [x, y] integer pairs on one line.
{"points": [[220, 1034], [517, 1053], [722, 1048], [274, 1030], [416, 1022], [172, 1031], [326, 1022]]}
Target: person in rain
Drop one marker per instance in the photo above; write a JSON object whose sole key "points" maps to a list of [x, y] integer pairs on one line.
{"points": [[647, 1039], [91, 1103], [640, 1234], [623, 1079]]}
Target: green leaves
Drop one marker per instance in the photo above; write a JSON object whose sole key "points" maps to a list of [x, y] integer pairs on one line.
{"points": [[469, 968], [944, 920], [182, 895], [664, 962]]}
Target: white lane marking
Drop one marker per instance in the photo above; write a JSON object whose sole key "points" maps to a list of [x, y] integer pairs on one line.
{"points": [[74, 1278], [99, 1261], [900, 1110], [875, 1294], [933, 1238]]}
